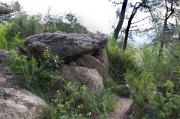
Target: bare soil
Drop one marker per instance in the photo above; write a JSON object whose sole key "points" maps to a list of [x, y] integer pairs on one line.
{"points": [[121, 109]]}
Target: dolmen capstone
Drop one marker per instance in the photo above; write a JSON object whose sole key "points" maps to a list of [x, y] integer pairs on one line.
{"points": [[86, 63]]}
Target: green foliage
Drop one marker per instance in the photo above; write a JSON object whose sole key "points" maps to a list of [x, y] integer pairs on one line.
{"points": [[3, 42], [38, 75], [9, 37], [79, 103], [163, 68], [76, 102], [66, 23], [50, 60], [28, 25], [109, 84], [120, 61], [71, 25], [140, 89], [155, 91], [24, 25], [151, 62], [151, 102]]}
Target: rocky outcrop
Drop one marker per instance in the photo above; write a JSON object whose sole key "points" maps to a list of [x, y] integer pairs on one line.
{"points": [[90, 69], [98, 61], [16, 102], [3, 55], [66, 46], [19, 104], [86, 62], [81, 75]]}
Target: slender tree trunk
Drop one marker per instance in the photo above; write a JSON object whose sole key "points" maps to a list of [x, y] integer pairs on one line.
{"points": [[163, 39], [129, 25], [126, 35], [121, 19]]}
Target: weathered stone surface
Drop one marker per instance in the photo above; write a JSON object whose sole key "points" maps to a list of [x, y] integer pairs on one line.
{"points": [[99, 62], [19, 104], [15, 102], [81, 75], [66, 46], [103, 58], [4, 55]]}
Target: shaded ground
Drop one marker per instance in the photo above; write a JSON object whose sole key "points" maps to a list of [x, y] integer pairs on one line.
{"points": [[121, 108]]}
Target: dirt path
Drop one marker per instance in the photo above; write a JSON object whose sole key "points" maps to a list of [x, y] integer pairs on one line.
{"points": [[121, 108]]}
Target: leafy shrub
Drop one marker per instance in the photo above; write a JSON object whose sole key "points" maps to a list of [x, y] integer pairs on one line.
{"points": [[155, 91], [9, 38], [159, 66], [76, 102], [120, 62], [38, 75], [151, 102], [28, 25], [66, 22], [80, 104], [3, 42], [163, 68], [109, 84]]}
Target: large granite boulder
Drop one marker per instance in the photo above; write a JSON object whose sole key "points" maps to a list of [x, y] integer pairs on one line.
{"points": [[65, 45], [86, 62], [98, 60], [90, 70], [19, 104], [16, 102], [81, 76]]}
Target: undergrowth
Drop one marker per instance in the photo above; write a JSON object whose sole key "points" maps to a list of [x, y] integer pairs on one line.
{"points": [[155, 91], [79, 103], [9, 39], [70, 101], [38, 74], [120, 61]]}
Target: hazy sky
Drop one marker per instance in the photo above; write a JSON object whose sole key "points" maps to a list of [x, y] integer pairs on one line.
{"points": [[96, 15]]}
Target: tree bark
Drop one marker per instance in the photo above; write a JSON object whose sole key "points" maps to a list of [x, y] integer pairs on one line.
{"points": [[129, 25], [167, 16], [121, 19]]}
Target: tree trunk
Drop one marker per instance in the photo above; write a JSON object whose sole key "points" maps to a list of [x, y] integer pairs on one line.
{"points": [[121, 19], [163, 39], [129, 25]]}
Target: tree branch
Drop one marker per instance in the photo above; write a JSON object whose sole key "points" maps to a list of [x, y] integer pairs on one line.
{"points": [[140, 20]]}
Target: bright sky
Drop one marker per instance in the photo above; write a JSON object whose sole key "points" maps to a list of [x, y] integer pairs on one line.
{"points": [[96, 15]]}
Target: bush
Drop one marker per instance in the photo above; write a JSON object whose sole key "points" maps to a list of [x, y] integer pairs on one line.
{"points": [[151, 102], [38, 75], [155, 91], [79, 103], [3, 42], [28, 25], [120, 62], [164, 67], [9, 37], [76, 102]]}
